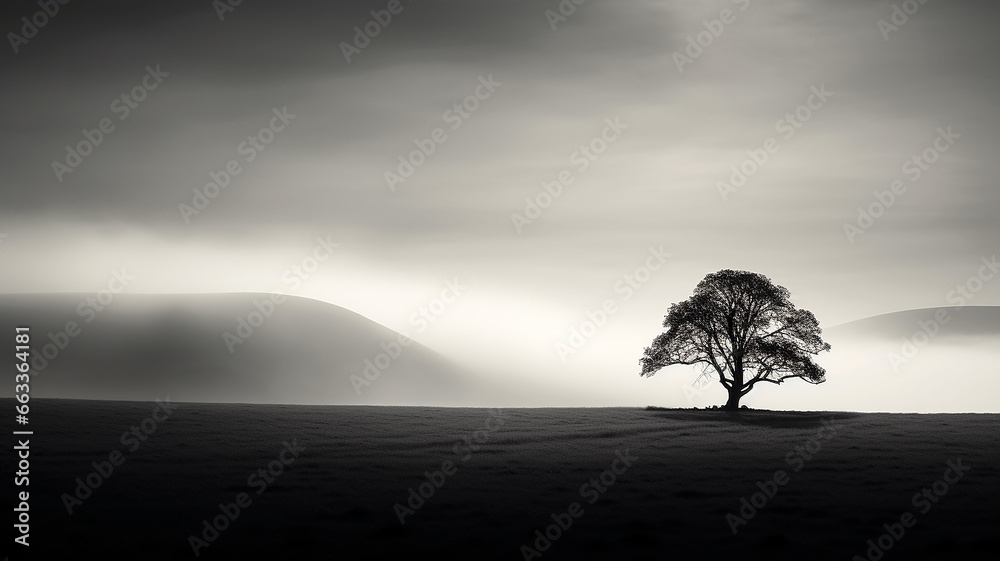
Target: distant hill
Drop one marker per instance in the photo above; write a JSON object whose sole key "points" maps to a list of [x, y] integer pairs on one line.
{"points": [[142, 347], [968, 321], [889, 362]]}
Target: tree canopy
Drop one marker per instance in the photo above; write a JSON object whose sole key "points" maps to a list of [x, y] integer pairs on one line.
{"points": [[742, 328]]}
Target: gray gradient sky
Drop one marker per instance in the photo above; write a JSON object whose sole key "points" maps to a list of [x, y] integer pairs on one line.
{"points": [[655, 185]]}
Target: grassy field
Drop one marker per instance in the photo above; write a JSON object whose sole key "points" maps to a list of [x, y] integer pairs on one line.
{"points": [[467, 483]]}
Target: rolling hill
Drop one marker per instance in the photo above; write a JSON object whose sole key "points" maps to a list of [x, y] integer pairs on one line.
{"points": [[226, 348], [954, 323]]}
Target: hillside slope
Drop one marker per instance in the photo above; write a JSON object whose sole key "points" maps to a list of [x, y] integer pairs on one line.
{"points": [[150, 346]]}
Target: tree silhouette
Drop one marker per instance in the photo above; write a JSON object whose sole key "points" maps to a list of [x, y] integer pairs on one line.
{"points": [[742, 327]]}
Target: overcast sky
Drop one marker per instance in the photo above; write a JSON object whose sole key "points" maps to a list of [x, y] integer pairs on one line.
{"points": [[837, 103]]}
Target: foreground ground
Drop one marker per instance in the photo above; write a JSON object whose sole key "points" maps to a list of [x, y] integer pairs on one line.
{"points": [[826, 483]]}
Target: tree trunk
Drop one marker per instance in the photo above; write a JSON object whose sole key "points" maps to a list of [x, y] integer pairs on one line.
{"points": [[735, 391], [734, 399]]}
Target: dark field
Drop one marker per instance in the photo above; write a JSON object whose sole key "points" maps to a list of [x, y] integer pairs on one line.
{"points": [[682, 473]]}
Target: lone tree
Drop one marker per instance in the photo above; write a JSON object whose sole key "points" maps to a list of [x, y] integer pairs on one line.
{"points": [[742, 327]]}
